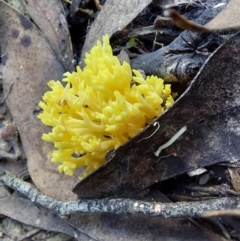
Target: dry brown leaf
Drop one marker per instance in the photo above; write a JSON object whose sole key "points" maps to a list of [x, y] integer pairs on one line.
{"points": [[235, 178], [24, 211], [112, 227], [114, 16], [28, 62], [15, 168], [51, 20], [227, 19]]}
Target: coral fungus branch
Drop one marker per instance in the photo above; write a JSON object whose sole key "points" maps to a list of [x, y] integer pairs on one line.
{"points": [[99, 109]]}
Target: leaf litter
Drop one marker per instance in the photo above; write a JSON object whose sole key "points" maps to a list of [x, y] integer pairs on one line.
{"points": [[28, 63], [212, 128]]}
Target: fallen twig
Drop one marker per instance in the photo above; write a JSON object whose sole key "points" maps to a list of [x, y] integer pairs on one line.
{"points": [[119, 206]]}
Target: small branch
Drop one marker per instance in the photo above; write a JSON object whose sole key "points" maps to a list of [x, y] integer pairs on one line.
{"points": [[184, 23], [119, 206]]}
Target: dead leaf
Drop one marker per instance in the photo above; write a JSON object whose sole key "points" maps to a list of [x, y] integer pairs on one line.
{"points": [[28, 63], [227, 19], [112, 227], [210, 110], [235, 178], [5, 194], [26, 212], [114, 16], [51, 20]]}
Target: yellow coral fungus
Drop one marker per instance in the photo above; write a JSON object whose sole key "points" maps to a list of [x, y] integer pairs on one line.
{"points": [[99, 108]]}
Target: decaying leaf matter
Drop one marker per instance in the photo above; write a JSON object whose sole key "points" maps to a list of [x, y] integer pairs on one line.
{"points": [[114, 16], [28, 62], [227, 19], [50, 18]]}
